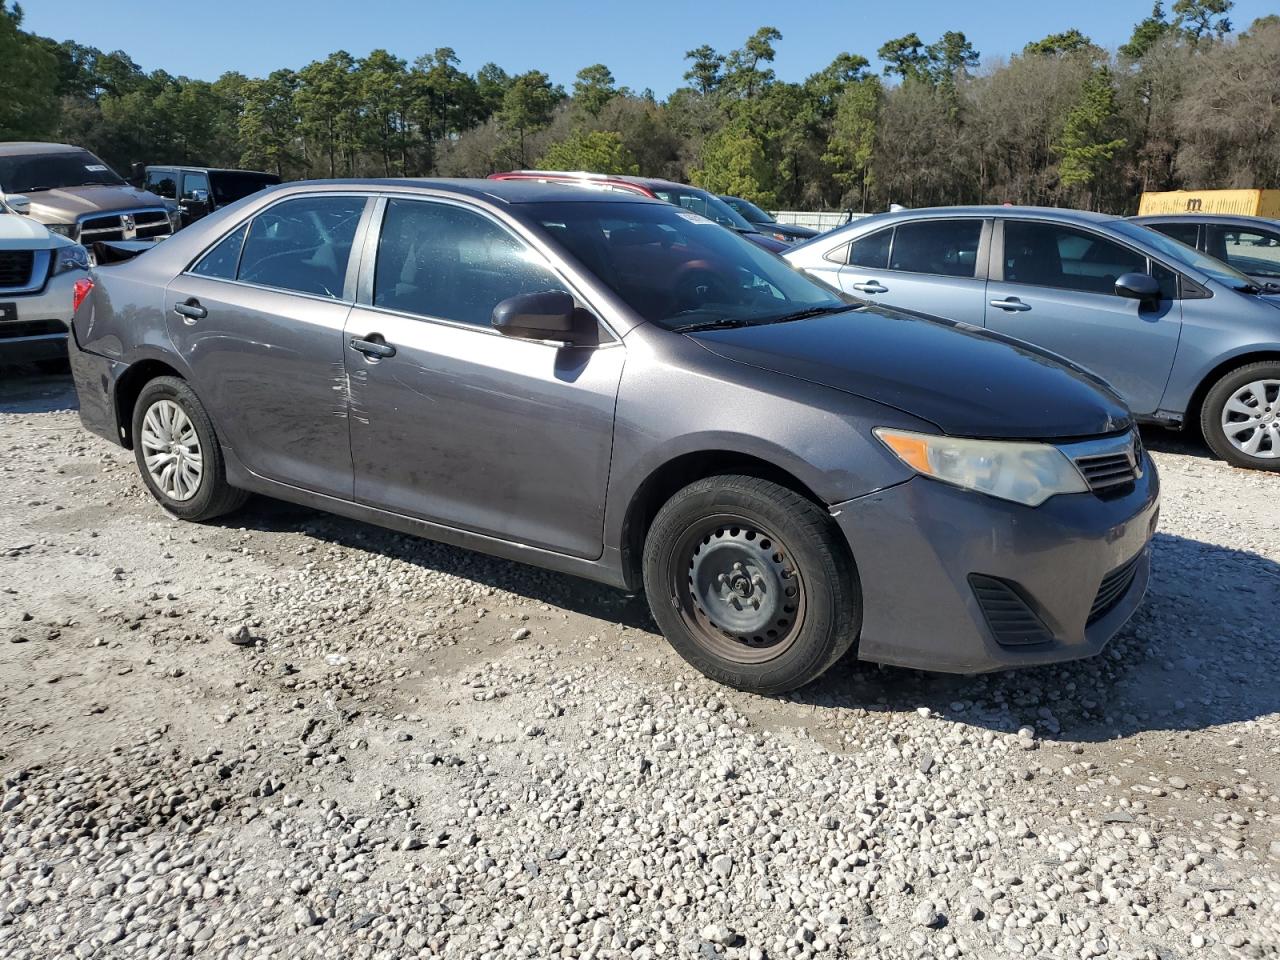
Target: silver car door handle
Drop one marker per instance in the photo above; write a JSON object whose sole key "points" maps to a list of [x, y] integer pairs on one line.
{"points": [[1012, 304], [871, 286], [190, 311]]}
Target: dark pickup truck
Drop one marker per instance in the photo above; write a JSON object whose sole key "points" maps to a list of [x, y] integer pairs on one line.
{"points": [[195, 192]]}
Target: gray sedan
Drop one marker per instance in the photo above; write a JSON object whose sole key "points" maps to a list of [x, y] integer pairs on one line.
{"points": [[617, 388], [1184, 338], [1250, 244]]}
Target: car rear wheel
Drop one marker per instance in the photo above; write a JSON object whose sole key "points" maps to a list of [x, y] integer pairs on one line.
{"points": [[178, 454], [1240, 418], [751, 583]]}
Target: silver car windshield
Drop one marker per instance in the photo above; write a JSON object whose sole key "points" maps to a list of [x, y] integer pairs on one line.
{"points": [[680, 270], [1222, 272]]}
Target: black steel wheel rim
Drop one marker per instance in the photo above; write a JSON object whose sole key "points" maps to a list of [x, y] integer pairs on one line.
{"points": [[738, 588]]}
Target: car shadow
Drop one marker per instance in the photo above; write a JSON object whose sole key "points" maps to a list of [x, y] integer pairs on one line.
{"points": [[1188, 659], [24, 389], [1198, 653], [1186, 442]]}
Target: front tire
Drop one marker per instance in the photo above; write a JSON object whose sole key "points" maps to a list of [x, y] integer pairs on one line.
{"points": [[1240, 418], [751, 583], [178, 454]]}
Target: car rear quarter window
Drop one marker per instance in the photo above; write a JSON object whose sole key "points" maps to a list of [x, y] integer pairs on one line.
{"points": [[222, 261], [302, 245], [871, 251], [945, 248], [442, 261], [1053, 255]]}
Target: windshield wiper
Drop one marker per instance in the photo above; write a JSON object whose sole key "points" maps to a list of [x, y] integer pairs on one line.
{"points": [[810, 312], [720, 323]]}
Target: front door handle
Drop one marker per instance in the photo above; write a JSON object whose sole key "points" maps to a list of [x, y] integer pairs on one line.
{"points": [[373, 346], [871, 286], [190, 311], [1011, 304]]}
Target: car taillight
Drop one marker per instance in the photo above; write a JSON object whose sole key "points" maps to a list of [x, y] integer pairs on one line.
{"points": [[79, 292]]}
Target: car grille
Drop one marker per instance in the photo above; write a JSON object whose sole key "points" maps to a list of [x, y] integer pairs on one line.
{"points": [[15, 267], [1108, 465], [130, 225], [1013, 623], [1114, 586]]}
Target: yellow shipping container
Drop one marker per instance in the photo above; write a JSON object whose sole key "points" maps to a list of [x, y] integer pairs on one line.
{"points": [[1244, 203]]}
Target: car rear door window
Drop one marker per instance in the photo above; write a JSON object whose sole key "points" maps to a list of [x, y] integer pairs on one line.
{"points": [[443, 261], [302, 245], [1255, 252], [221, 262], [871, 251], [191, 182], [163, 183], [1052, 255], [945, 248], [1183, 232]]}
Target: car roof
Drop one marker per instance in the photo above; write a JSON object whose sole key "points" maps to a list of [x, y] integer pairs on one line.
{"points": [[992, 210], [1203, 218], [18, 148], [649, 183], [187, 166], [507, 191]]}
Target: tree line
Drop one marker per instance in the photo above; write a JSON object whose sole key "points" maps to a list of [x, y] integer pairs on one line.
{"points": [[1185, 103]]}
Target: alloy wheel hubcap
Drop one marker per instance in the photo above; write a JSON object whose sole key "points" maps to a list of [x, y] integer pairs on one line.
{"points": [[744, 590], [171, 450], [1251, 419]]}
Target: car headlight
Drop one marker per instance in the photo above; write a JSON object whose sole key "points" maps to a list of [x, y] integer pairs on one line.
{"points": [[1027, 473], [65, 229], [74, 257]]}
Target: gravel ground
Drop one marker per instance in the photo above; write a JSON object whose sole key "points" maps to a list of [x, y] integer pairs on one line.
{"points": [[291, 735]]}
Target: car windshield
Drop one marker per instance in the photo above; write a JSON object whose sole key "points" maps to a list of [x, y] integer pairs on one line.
{"points": [[749, 210], [1192, 257], [680, 270], [31, 172], [707, 204], [230, 185]]}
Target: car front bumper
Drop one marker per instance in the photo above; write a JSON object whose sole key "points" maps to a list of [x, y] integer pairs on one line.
{"points": [[38, 331], [921, 546]]}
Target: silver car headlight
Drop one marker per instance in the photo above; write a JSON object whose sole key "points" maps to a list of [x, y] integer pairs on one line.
{"points": [[1027, 473], [63, 229], [74, 257]]}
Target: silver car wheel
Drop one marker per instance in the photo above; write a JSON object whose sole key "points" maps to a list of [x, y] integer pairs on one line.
{"points": [[171, 450], [1251, 419]]}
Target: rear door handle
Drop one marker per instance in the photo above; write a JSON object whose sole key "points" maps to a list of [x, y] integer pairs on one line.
{"points": [[871, 286], [1012, 304], [190, 311], [373, 346]]}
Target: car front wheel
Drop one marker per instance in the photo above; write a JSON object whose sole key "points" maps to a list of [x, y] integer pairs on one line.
{"points": [[178, 453], [751, 583], [1241, 416]]}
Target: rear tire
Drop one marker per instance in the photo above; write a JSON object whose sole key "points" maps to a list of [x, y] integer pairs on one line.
{"points": [[178, 454], [1240, 417], [751, 583]]}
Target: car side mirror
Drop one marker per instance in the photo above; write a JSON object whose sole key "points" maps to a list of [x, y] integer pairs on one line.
{"points": [[18, 203], [1138, 286], [199, 197], [549, 315]]}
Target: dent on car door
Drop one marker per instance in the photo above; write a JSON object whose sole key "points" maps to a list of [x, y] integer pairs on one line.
{"points": [[259, 321], [1054, 286], [456, 424]]}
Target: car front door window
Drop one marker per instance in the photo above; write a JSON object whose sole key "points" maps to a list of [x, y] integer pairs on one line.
{"points": [[1053, 255]]}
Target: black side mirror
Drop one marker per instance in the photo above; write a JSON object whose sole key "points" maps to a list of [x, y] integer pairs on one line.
{"points": [[1138, 286], [550, 315]]}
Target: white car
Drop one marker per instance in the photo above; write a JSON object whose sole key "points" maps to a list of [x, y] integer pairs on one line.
{"points": [[41, 275]]}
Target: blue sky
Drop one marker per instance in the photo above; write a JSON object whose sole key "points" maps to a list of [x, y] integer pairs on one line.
{"points": [[643, 43]]}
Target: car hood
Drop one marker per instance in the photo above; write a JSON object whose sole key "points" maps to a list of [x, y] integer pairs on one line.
{"points": [[967, 381], [18, 232], [788, 229], [65, 204]]}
